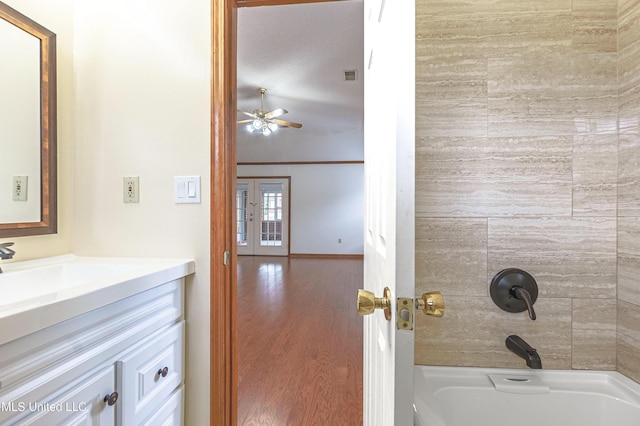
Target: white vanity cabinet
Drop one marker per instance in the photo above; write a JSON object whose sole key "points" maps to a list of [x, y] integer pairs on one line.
{"points": [[120, 364]]}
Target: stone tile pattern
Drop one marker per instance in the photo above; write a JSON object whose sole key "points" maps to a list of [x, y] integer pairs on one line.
{"points": [[520, 162], [628, 348]]}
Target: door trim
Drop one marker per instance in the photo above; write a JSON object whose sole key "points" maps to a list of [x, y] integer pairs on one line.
{"points": [[223, 299]]}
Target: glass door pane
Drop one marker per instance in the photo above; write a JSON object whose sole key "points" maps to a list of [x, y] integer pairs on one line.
{"points": [[242, 214], [271, 214]]}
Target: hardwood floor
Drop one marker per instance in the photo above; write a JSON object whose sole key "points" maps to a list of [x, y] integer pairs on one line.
{"points": [[300, 342]]}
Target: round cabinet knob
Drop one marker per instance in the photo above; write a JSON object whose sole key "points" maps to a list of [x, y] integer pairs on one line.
{"points": [[163, 372], [111, 399], [367, 303]]}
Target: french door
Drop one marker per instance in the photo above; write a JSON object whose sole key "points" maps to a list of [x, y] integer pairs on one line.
{"points": [[262, 216]]}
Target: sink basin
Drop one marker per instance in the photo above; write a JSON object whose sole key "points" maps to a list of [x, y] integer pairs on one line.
{"points": [[29, 284], [38, 293]]}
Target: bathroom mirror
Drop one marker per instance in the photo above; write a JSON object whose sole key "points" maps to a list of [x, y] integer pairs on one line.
{"points": [[27, 126]]}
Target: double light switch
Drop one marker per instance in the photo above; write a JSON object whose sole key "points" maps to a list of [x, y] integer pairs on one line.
{"points": [[186, 189]]}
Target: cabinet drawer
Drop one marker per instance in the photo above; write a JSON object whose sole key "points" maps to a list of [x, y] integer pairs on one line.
{"points": [[171, 412], [82, 404], [148, 375]]}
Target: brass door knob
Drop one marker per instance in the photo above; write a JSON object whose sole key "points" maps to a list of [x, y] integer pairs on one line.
{"points": [[367, 303], [431, 303]]}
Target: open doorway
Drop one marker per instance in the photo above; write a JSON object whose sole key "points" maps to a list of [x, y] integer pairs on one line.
{"points": [[309, 58]]}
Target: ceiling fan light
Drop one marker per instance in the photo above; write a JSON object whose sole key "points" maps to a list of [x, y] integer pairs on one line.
{"points": [[263, 120]]}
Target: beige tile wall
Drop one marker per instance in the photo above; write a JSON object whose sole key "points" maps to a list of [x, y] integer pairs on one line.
{"points": [[629, 188], [517, 166]]}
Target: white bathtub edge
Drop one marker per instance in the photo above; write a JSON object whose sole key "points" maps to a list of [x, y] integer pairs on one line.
{"points": [[429, 380]]}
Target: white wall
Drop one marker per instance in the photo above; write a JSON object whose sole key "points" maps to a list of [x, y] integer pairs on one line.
{"points": [[287, 145], [142, 107], [327, 204]]}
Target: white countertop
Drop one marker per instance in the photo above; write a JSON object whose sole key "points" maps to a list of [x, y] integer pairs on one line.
{"points": [[38, 293]]}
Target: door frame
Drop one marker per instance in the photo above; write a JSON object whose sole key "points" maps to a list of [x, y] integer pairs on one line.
{"points": [[223, 392], [223, 256]]}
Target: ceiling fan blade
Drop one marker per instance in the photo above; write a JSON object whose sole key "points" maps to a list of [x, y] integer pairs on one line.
{"points": [[245, 121], [275, 113], [286, 123], [248, 113]]}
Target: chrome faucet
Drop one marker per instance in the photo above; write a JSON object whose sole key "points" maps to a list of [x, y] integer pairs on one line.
{"points": [[521, 348], [6, 252]]}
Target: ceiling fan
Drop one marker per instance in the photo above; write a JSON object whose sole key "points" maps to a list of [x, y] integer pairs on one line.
{"points": [[265, 121]]}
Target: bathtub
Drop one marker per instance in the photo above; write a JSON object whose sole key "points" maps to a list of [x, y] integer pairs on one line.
{"points": [[461, 396]]}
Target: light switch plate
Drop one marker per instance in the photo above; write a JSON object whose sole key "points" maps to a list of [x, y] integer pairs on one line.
{"points": [[186, 189]]}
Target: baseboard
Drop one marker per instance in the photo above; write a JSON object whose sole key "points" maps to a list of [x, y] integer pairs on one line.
{"points": [[325, 256]]}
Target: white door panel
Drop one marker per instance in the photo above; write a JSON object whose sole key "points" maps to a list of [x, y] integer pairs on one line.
{"points": [[389, 215]]}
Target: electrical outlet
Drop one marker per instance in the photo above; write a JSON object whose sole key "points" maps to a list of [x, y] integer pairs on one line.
{"points": [[19, 188], [131, 189]]}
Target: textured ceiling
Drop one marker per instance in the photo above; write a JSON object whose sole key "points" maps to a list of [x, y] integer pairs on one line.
{"points": [[299, 54]]}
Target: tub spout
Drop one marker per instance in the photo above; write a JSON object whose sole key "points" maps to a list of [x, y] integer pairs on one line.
{"points": [[521, 348]]}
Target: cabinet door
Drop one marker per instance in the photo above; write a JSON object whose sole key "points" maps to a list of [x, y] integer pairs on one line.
{"points": [[150, 374], [82, 404]]}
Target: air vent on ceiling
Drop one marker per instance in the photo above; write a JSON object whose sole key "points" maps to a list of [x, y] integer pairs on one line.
{"points": [[350, 75]]}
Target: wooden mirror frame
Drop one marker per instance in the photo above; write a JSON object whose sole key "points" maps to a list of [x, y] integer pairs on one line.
{"points": [[48, 130]]}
